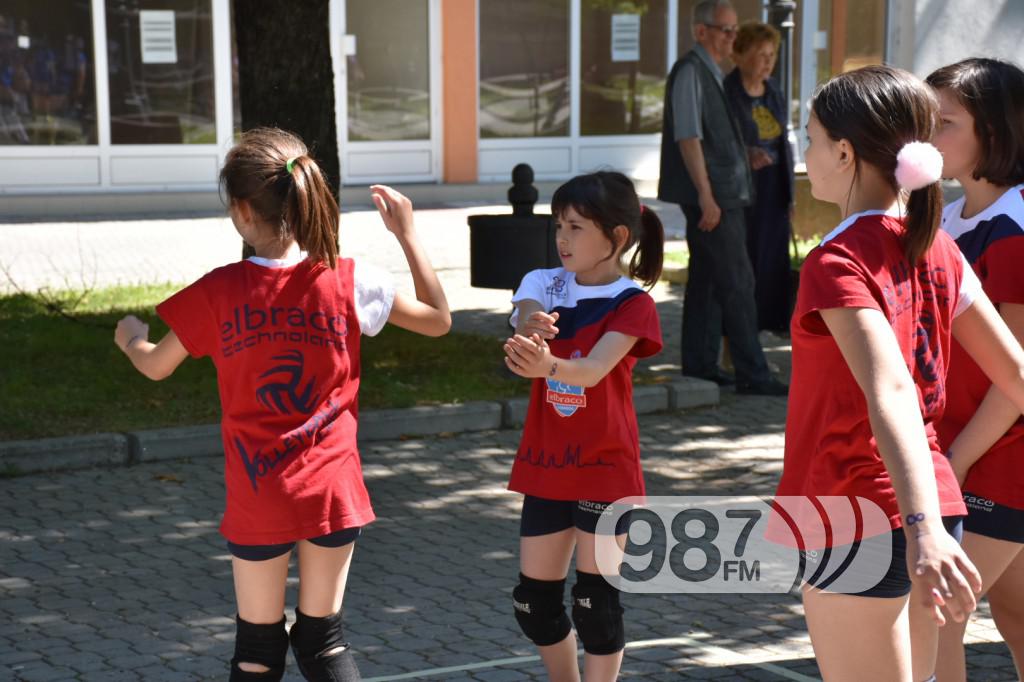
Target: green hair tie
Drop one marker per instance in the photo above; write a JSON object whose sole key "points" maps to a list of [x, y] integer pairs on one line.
{"points": [[290, 165]]}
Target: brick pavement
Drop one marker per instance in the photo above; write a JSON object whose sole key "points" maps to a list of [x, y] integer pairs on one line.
{"points": [[120, 574]]}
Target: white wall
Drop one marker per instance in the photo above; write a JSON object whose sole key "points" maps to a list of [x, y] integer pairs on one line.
{"points": [[927, 34]]}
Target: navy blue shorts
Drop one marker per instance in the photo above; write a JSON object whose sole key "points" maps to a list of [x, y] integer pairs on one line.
{"points": [[895, 582], [993, 520], [264, 552], [542, 516]]}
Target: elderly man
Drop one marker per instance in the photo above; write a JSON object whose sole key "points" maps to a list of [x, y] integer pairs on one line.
{"points": [[704, 170]]}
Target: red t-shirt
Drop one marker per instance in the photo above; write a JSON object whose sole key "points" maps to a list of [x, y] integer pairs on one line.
{"points": [[830, 449], [583, 443], [285, 342], [993, 243]]}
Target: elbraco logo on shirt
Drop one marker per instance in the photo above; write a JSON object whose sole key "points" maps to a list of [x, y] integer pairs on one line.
{"points": [[566, 398]]}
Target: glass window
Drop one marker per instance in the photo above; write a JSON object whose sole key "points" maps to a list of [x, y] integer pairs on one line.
{"points": [[389, 72], [623, 58], [160, 55], [858, 34], [47, 73], [524, 68], [848, 36]]}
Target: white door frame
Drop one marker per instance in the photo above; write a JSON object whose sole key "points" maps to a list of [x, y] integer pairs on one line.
{"points": [[368, 162]]}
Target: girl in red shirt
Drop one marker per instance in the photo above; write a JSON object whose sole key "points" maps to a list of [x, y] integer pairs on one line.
{"points": [[580, 449], [982, 143], [878, 303], [283, 329]]}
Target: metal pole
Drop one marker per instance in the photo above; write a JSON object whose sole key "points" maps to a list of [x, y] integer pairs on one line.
{"points": [[781, 15]]}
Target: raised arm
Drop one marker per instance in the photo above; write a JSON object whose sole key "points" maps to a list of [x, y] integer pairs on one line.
{"points": [[428, 313], [155, 360], [873, 355], [996, 413]]}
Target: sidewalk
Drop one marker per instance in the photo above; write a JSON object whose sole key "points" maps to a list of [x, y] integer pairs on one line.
{"points": [[120, 574]]}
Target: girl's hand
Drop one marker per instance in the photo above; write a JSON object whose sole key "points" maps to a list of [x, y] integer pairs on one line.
{"points": [[129, 329], [541, 324], [530, 358], [935, 560], [395, 210]]}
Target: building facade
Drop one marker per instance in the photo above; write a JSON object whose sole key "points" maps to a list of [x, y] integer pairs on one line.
{"points": [[135, 97]]}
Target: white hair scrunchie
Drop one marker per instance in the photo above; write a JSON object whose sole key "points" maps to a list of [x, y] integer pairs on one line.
{"points": [[918, 165]]}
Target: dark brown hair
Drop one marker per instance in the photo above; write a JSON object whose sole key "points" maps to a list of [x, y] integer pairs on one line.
{"points": [[878, 109], [609, 199], [299, 204], [992, 92]]}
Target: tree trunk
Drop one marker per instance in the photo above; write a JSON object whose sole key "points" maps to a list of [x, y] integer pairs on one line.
{"points": [[285, 78]]}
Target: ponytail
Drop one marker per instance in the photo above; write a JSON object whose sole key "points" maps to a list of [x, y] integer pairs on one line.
{"points": [[271, 170], [888, 115], [650, 251], [924, 215], [610, 200], [311, 212]]}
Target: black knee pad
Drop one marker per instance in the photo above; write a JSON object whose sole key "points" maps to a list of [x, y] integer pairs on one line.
{"points": [[320, 649], [540, 610], [597, 614], [263, 644]]}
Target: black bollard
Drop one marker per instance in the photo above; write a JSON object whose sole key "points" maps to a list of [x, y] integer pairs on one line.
{"points": [[503, 248], [522, 194]]}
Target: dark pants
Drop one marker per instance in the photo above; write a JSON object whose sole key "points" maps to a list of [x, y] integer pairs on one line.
{"points": [[720, 295], [768, 231]]}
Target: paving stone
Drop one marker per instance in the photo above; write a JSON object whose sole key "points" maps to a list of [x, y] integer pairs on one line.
{"points": [[499, 675], [429, 585]]}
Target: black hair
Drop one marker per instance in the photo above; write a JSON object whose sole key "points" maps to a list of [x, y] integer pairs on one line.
{"points": [[609, 199]]}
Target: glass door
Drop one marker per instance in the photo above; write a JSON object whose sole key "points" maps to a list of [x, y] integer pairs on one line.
{"points": [[387, 65]]}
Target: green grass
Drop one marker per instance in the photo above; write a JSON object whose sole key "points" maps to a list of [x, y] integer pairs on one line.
{"points": [[680, 258], [797, 253], [63, 376]]}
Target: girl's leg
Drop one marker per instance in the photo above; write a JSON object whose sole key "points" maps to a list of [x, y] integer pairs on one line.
{"points": [[317, 638], [546, 558], [604, 611], [879, 651], [1006, 598], [323, 572], [991, 557], [259, 591]]}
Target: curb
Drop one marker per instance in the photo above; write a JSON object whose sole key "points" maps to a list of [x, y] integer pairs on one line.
{"points": [[71, 453]]}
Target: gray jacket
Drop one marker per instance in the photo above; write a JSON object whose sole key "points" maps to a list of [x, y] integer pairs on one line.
{"points": [[725, 155]]}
